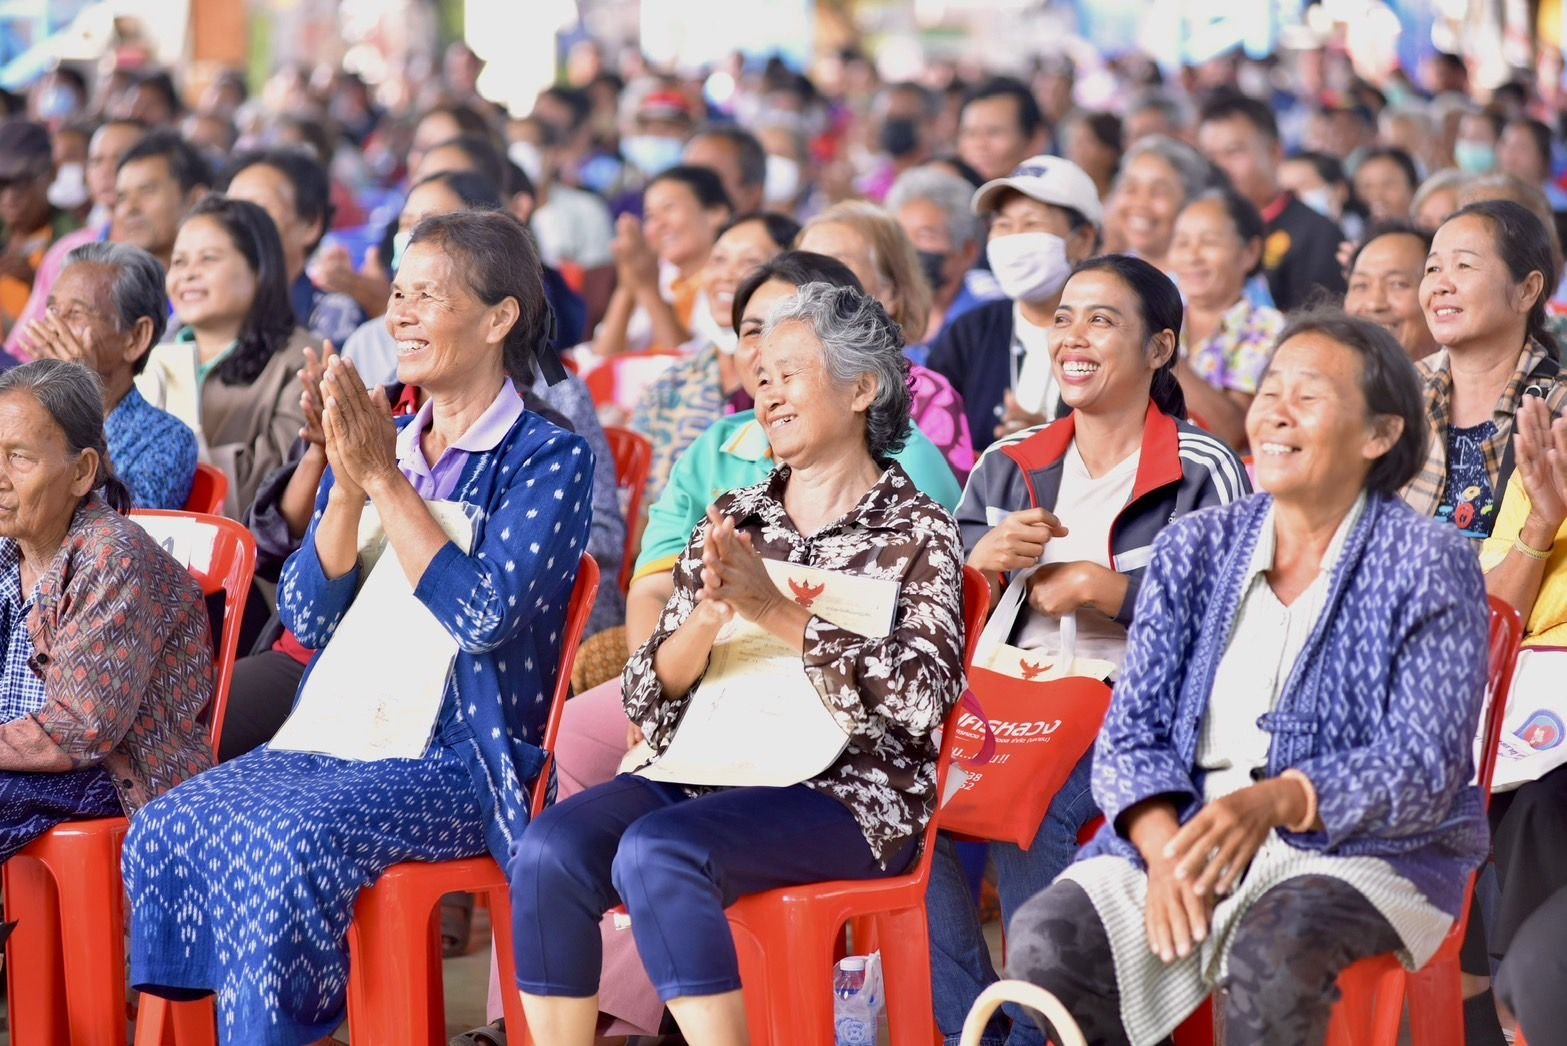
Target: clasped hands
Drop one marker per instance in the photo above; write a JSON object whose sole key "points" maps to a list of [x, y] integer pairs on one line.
{"points": [[353, 423], [1056, 589], [734, 579]]}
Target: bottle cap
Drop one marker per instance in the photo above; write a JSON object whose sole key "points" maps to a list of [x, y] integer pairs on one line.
{"points": [[852, 963]]}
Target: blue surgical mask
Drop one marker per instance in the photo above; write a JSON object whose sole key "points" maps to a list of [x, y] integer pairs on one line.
{"points": [[1474, 157], [652, 154]]}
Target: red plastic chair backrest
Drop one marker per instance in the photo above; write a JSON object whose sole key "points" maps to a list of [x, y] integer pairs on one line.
{"points": [[221, 555], [633, 461], [207, 490], [583, 593], [1506, 635]]}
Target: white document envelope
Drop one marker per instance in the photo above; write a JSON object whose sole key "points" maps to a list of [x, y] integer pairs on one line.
{"points": [[375, 692], [755, 718]]}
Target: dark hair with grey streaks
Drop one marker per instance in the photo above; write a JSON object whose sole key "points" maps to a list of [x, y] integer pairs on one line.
{"points": [[858, 337], [73, 396], [136, 290]]}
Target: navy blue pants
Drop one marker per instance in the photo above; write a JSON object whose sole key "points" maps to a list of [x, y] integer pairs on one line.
{"points": [[676, 863]]}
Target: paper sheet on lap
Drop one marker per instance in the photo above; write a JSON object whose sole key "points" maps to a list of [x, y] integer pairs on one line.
{"points": [[756, 719], [358, 702]]}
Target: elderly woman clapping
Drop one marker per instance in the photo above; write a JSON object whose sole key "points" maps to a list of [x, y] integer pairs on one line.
{"points": [[832, 394], [1285, 767], [107, 653], [253, 868]]}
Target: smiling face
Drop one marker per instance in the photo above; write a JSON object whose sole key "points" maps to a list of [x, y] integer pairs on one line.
{"points": [[677, 227], [757, 310], [1103, 358], [1147, 198], [1209, 257], [210, 284], [446, 337], [805, 413], [80, 298], [41, 480], [1385, 289], [1468, 294], [1308, 424], [738, 253]]}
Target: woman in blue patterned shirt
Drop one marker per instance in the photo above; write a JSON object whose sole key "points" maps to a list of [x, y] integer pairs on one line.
{"points": [[243, 881], [1285, 767]]}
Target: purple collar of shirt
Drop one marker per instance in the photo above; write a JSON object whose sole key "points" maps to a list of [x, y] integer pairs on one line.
{"points": [[437, 482]]}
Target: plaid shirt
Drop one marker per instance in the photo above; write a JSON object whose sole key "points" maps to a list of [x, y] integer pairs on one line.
{"points": [[21, 689], [1424, 492]]}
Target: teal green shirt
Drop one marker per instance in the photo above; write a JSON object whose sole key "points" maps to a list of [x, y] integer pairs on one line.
{"points": [[187, 336], [734, 453]]}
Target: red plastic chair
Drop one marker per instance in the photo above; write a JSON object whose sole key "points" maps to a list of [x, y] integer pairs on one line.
{"points": [[633, 461], [66, 977], [785, 938], [396, 994], [1374, 989], [618, 381], [395, 989], [208, 490]]}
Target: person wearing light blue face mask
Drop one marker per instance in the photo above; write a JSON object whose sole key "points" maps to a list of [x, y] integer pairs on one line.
{"points": [[1475, 150], [662, 127], [1044, 218]]}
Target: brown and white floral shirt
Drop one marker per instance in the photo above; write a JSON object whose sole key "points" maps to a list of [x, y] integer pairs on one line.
{"points": [[890, 694]]}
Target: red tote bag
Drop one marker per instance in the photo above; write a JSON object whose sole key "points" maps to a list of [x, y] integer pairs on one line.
{"points": [[1027, 720]]}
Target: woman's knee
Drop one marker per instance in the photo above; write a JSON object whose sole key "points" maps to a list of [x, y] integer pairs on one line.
{"points": [[654, 851], [553, 853], [1051, 934]]}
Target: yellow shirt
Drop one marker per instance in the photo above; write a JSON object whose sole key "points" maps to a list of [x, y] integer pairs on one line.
{"points": [[1547, 623]]}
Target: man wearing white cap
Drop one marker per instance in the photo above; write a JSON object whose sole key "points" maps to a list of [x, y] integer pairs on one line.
{"points": [[1045, 217]]}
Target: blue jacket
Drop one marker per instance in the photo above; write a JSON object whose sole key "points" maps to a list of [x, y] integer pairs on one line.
{"points": [[505, 604], [1379, 711]]}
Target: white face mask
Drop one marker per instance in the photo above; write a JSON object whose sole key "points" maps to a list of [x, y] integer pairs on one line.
{"points": [[782, 183], [1030, 266], [708, 329], [527, 156], [68, 191], [1320, 200]]}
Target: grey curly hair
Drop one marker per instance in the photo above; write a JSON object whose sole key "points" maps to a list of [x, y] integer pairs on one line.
{"points": [[858, 337]]}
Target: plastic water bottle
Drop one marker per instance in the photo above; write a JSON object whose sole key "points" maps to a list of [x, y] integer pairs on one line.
{"points": [[853, 1023]]}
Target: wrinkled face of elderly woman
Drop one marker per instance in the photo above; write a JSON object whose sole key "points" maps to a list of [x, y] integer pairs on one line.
{"points": [[41, 480], [446, 337], [807, 414], [1309, 426], [756, 311]]}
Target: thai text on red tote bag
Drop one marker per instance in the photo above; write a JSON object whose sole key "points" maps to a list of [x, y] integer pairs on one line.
{"points": [[1028, 717]]}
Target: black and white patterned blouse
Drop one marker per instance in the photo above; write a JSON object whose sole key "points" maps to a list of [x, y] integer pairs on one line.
{"points": [[890, 694]]}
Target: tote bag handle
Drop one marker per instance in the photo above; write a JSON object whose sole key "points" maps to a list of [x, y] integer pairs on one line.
{"points": [[1024, 994]]}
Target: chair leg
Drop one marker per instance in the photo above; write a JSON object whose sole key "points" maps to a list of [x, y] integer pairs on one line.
{"points": [[506, 961], [398, 998], [35, 975], [160, 1022], [788, 984], [1436, 1005], [93, 942], [905, 958]]}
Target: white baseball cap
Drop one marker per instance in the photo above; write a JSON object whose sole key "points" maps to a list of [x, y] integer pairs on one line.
{"points": [[1048, 179]]}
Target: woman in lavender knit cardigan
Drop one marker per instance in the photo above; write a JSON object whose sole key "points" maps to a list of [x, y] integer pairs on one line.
{"points": [[1285, 767]]}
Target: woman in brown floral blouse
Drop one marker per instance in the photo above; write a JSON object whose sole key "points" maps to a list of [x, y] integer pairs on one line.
{"points": [[834, 398]]}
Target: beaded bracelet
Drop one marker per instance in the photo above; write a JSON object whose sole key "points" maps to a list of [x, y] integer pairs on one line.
{"points": [[1530, 550]]}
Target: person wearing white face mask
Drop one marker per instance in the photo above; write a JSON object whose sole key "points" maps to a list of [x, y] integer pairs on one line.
{"points": [[1045, 218]]}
